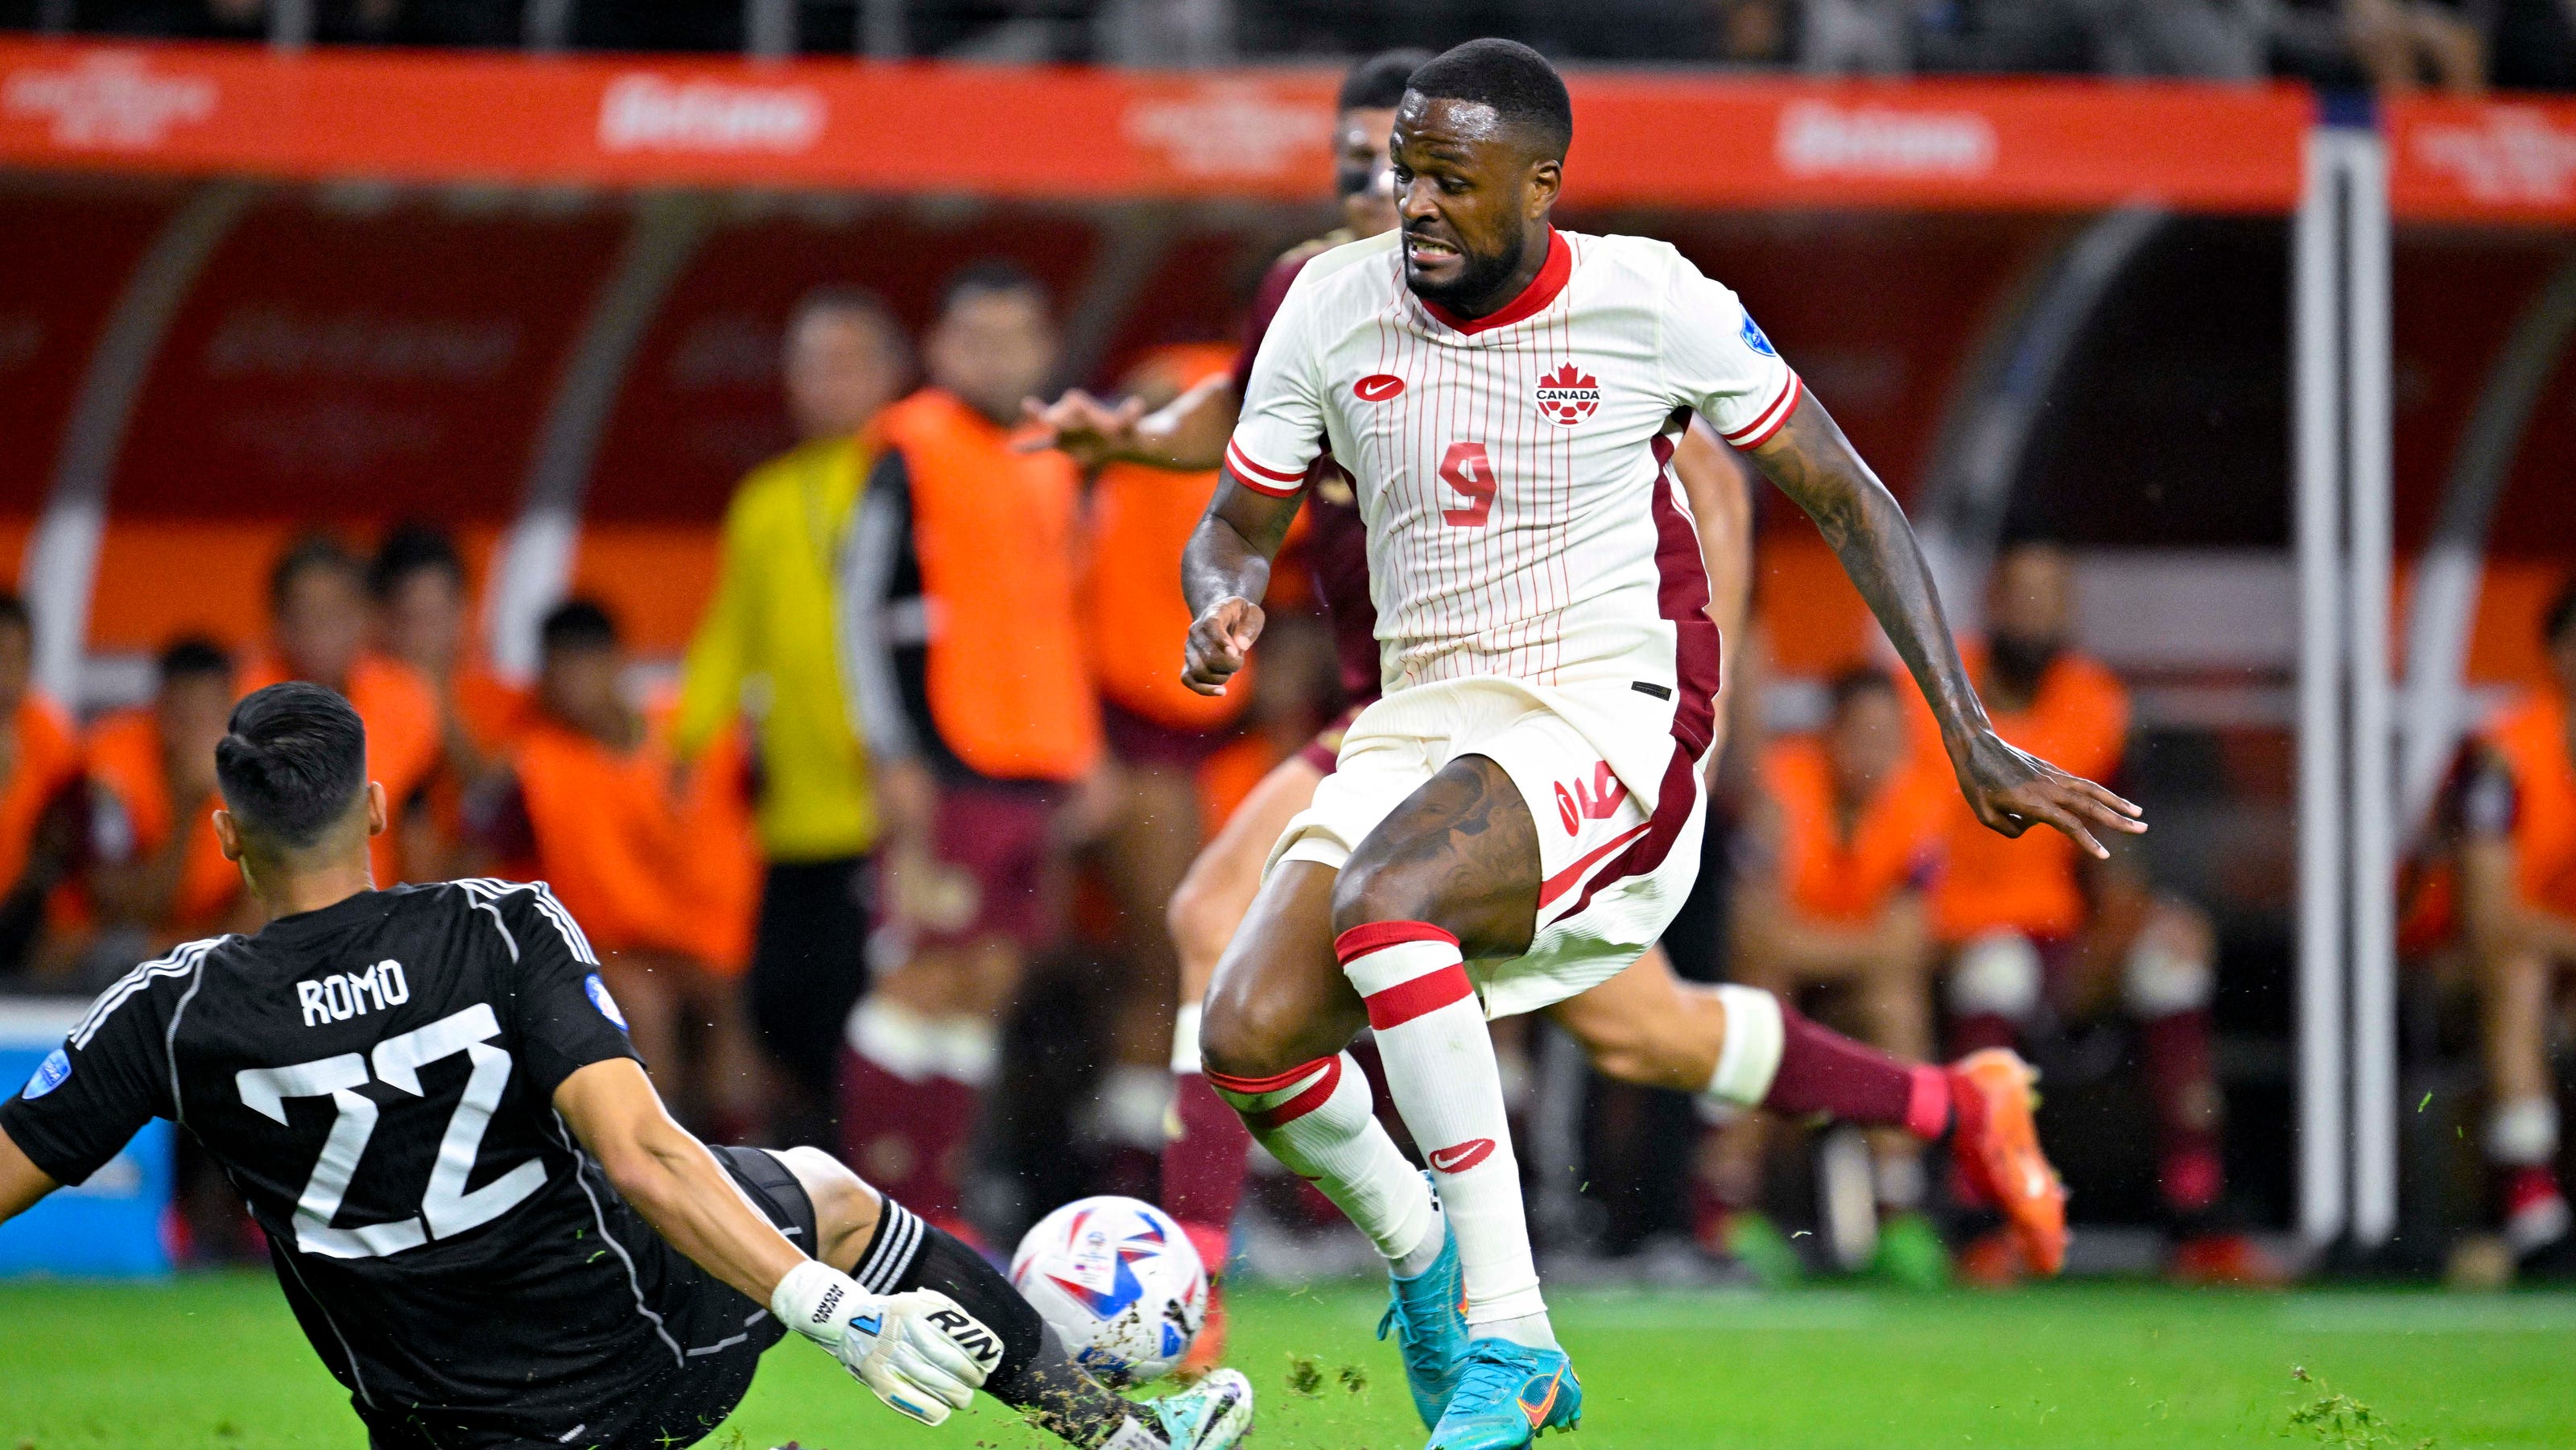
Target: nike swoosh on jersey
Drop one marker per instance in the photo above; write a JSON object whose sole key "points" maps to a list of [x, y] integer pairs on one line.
{"points": [[1377, 387]]}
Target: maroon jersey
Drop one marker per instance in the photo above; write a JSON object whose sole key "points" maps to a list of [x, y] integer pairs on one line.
{"points": [[1336, 541]]}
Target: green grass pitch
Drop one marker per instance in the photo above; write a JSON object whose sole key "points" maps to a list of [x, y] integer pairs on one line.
{"points": [[216, 1362]]}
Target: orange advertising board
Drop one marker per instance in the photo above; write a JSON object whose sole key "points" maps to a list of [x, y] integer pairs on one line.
{"points": [[1056, 132], [2482, 161]]}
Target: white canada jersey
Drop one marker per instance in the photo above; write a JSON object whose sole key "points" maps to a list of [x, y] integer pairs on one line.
{"points": [[1511, 468]]}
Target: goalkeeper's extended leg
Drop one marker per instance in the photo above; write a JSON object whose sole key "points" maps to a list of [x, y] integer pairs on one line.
{"points": [[889, 1249]]}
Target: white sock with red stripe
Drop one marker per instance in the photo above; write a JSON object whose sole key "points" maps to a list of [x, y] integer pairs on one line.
{"points": [[1440, 1066], [1321, 1121]]}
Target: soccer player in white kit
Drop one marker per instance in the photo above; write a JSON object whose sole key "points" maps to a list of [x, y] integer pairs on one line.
{"points": [[1519, 816]]}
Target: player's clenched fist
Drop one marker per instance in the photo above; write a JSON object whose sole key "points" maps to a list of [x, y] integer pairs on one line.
{"points": [[1220, 642], [918, 1351]]}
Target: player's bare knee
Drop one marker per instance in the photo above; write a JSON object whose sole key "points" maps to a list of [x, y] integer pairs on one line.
{"points": [[845, 1207], [1240, 1035]]}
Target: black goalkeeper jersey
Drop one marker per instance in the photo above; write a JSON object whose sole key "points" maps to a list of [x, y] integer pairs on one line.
{"points": [[377, 1078]]}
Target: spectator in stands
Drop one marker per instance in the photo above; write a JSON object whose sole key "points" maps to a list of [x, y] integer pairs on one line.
{"points": [[2037, 935], [2518, 893], [659, 872], [157, 877], [319, 623], [2205, 39], [980, 718], [418, 581], [1852, 822], [422, 615], [770, 648], [2403, 44], [40, 805], [1162, 735]]}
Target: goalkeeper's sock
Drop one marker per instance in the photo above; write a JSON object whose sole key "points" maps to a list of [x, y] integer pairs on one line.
{"points": [[1036, 1376]]}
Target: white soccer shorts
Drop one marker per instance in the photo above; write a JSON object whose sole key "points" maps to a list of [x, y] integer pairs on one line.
{"points": [[1611, 874]]}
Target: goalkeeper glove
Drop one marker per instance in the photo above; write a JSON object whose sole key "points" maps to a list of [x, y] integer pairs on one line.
{"points": [[917, 1351]]}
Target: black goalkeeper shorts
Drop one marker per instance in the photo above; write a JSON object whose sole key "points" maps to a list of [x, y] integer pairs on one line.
{"points": [[722, 1335]]}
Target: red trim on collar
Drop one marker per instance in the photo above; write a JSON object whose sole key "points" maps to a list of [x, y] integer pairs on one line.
{"points": [[1534, 298]]}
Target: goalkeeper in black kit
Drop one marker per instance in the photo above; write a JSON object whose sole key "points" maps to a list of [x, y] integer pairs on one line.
{"points": [[487, 1225]]}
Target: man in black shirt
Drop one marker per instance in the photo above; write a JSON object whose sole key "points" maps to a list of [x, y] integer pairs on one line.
{"points": [[487, 1225]]}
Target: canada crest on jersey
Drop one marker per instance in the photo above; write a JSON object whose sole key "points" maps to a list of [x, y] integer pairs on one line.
{"points": [[1567, 397]]}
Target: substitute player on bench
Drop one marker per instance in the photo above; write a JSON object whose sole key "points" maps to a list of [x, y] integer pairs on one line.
{"points": [[1527, 794], [487, 1225]]}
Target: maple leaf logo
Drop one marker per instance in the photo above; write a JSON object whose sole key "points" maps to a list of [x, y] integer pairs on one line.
{"points": [[1567, 397]]}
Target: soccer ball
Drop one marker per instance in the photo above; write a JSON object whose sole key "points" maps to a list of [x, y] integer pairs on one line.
{"points": [[1119, 1280]]}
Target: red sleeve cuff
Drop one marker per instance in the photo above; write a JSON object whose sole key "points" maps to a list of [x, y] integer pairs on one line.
{"points": [[1257, 477], [1769, 421]]}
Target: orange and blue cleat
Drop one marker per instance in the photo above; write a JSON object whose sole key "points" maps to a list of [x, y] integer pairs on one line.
{"points": [[1508, 1394]]}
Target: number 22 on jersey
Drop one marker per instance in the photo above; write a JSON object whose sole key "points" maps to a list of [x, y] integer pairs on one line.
{"points": [[445, 1207]]}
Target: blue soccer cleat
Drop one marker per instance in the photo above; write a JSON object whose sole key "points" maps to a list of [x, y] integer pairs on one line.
{"points": [[1210, 1415], [1428, 1314], [1508, 1394]]}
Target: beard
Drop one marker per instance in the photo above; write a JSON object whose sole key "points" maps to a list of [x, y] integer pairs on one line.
{"points": [[1479, 277], [2021, 662]]}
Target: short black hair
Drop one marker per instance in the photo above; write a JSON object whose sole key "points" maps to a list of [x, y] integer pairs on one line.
{"points": [[992, 274], [1378, 83], [578, 624], [307, 554], [1848, 686], [1515, 80], [13, 613], [191, 655], [408, 549], [2561, 618], [292, 759]]}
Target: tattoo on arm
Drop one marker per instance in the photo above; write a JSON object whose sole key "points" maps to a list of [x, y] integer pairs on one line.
{"points": [[1816, 466]]}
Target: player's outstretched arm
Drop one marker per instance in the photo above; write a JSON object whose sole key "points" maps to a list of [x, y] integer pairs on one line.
{"points": [[1224, 572], [21, 1181], [891, 1344], [1186, 434], [2009, 789], [671, 1178]]}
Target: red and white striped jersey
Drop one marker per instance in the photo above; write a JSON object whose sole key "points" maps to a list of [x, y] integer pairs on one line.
{"points": [[1511, 468]]}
